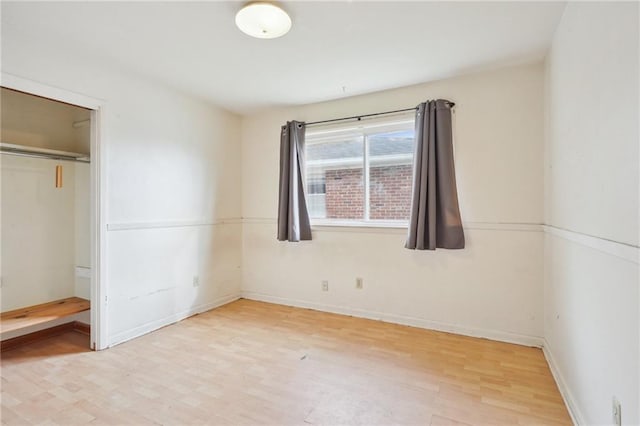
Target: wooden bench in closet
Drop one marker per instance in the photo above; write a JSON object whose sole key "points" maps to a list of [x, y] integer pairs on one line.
{"points": [[40, 314]]}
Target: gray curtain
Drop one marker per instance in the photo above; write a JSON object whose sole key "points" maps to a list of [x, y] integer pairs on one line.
{"points": [[435, 216], [293, 217]]}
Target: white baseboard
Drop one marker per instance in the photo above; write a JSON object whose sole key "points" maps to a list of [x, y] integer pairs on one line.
{"points": [[171, 319], [500, 336], [569, 400]]}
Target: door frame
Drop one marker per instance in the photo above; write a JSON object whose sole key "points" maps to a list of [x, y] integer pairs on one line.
{"points": [[98, 192]]}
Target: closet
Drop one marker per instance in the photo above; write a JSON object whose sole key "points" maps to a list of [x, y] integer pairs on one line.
{"points": [[45, 217]]}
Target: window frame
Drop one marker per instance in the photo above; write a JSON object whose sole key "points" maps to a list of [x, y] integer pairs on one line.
{"points": [[362, 129]]}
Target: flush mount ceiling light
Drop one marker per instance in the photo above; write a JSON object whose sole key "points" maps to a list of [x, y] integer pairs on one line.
{"points": [[263, 20]]}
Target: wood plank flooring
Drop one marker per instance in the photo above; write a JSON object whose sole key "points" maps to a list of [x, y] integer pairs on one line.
{"points": [[253, 363], [38, 314]]}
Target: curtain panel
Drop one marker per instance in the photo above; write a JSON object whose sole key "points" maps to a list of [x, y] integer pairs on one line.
{"points": [[435, 216], [293, 216]]}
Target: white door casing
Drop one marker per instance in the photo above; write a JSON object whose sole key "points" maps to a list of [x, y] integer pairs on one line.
{"points": [[98, 220]]}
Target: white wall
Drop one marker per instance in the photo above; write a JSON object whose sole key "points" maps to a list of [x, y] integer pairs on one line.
{"points": [[492, 288], [172, 176], [38, 247], [591, 247]]}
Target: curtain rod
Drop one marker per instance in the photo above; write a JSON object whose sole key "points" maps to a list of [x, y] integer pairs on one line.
{"points": [[360, 117]]}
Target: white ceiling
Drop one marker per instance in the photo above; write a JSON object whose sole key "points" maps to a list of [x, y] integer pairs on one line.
{"points": [[361, 46]]}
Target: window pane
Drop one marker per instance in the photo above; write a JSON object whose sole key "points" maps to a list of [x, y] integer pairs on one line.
{"points": [[335, 188], [390, 172]]}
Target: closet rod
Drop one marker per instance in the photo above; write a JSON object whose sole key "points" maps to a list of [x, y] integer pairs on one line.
{"points": [[25, 153]]}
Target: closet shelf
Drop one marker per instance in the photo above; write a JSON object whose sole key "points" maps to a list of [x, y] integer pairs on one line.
{"points": [[39, 314]]}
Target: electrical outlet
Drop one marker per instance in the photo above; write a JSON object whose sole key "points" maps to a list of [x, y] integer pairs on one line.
{"points": [[359, 283], [325, 285], [616, 412], [196, 281]]}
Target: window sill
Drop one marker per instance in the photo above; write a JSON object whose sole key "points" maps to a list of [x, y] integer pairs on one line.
{"points": [[324, 224]]}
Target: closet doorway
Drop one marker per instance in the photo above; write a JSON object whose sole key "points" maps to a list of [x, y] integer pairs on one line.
{"points": [[51, 214]]}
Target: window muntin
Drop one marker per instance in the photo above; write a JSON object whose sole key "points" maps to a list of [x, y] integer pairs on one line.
{"points": [[363, 174]]}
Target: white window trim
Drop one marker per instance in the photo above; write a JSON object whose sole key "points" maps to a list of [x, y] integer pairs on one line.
{"points": [[363, 130], [366, 178], [342, 223], [359, 128]]}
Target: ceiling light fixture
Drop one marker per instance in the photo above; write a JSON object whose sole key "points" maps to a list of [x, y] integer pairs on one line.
{"points": [[263, 20]]}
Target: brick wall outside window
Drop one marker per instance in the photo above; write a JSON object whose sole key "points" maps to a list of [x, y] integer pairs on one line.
{"points": [[389, 191], [344, 194]]}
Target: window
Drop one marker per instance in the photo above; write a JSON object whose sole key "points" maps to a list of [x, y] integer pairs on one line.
{"points": [[360, 174]]}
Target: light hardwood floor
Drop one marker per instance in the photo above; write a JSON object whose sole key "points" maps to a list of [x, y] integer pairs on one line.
{"points": [[257, 363]]}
